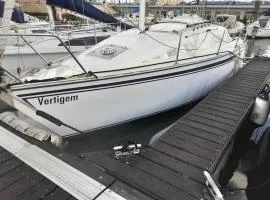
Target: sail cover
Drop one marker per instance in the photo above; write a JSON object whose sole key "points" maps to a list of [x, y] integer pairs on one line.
{"points": [[84, 8], [2, 7], [17, 15]]}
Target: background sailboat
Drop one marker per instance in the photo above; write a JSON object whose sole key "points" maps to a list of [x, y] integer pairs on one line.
{"points": [[19, 55]]}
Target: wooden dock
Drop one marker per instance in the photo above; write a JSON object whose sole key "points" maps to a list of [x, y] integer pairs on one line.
{"points": [[170, 169]]}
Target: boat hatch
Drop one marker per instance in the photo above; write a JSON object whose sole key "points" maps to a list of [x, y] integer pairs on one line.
{"points": [[108, 51]]}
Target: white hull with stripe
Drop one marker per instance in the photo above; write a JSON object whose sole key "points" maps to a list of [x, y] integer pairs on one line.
{"points": [[107, 102]]}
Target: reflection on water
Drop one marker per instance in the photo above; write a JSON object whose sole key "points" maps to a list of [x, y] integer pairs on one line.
{"points": [[258, 47], [140, 131]]}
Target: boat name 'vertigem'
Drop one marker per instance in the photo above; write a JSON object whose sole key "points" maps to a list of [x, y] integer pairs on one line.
{"points": [[57, 100]]}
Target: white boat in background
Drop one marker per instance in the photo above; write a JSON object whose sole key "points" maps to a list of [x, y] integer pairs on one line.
{"points": [[259, 28], [131, 75], [19, 55], [187, 19], [20, 52], [230, 22]]}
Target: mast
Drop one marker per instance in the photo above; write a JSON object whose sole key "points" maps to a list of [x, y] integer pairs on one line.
{"points": [[257, 8], [204, 8], [142, 15], [5, 23], [51, 17]]}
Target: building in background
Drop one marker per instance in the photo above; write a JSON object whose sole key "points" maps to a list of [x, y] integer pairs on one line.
{"points": [[35, 7]]}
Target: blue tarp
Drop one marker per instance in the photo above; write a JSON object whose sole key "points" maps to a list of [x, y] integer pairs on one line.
{"points": [[2, 6], [84, 8], [134, 10], [17, 15]]}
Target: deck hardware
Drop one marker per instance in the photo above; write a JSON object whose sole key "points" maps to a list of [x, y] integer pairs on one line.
{"points": [[130, 148], [212, 186]]}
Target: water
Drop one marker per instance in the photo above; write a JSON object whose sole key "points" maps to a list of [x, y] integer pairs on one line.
{"points": [[141, 131], [258, 47]]}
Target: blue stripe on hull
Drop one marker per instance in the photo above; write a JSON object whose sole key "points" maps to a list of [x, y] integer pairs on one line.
{"points": [[124, 83]]}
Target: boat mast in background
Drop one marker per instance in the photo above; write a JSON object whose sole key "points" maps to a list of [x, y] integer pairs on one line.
{"points": [[142, 15], [5, 22], [257, 9], [204, 8], [51, 17]]}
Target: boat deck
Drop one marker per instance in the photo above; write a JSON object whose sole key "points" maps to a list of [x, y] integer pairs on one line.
{"points": [[170, 169]]}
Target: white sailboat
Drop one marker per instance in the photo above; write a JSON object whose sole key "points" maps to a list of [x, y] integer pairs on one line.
{"points": [[134, 74], [259, 28], [20, 55], [230, 22]]}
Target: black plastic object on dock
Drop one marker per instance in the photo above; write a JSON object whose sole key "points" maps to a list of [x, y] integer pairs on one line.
{"points": [[172, 168]]}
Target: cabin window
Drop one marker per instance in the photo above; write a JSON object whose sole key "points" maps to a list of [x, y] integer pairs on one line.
{"points": [[92, 40], [39, 31]]}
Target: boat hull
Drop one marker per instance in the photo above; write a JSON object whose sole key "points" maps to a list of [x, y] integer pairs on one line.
{"points": [[91, 105]]}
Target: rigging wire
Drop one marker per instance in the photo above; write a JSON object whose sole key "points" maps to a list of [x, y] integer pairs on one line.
{"points": [[143, 32], [220, 39], [162, 43]]}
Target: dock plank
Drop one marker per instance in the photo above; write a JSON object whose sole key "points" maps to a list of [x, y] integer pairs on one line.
{"points": [[182, 155], [128, 192], [202, 142], [5, 156], [39, 191], [198, 141], [221, 109], [188, 147], [209, 122], [196, 131], [230, 99], [57, 194], [237, 92], [174, 164], [21, 186], [170, 177], [214, 117], [14, 176], [232, 96], [205, 127], [9, 165], [226, 105], [133, 177], [216, 113]]}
